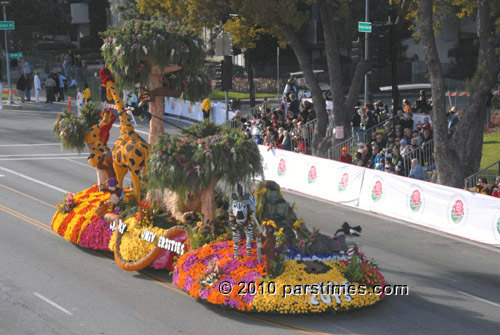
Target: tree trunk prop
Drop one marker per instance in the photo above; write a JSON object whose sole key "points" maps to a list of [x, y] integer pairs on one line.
{"points": [[208, 206], [156, 105]]}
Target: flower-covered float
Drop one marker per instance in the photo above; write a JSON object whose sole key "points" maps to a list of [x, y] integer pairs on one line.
{"points": [[248, 252]]}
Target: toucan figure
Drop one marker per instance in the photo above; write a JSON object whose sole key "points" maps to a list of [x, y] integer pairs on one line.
{"points": [[348, 230]]}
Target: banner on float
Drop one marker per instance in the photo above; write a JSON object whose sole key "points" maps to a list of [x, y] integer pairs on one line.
{"points": [[454, 211]]}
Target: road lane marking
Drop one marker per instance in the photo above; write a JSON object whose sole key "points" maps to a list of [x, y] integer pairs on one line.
{"points": [[47, 300], [1, 175], [25, 218], [33, 180], [478, 298], [29, 145], [26, 195]]}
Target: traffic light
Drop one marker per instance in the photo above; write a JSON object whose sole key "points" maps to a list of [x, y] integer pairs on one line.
{"points": [[227, 73], [356, 51], [218, 75], [12, 41]]}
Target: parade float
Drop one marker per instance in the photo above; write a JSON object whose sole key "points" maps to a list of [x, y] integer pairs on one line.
{"points": [[245, 250]]}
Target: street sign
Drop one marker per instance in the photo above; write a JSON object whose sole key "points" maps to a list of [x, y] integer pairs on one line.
{"points": [[5, 2], [7, 25], [15, 54], [365, 27]]}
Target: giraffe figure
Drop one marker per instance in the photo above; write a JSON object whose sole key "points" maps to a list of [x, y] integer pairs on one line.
{"points": [[130, 151], [100, 154]]}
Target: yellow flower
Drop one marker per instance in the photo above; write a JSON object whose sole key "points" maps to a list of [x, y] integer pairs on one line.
{"points": [[296, 225], [281, 231]]}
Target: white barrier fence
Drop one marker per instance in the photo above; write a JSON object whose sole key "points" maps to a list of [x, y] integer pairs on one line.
{"points": [[192, 110], [457, 212]]}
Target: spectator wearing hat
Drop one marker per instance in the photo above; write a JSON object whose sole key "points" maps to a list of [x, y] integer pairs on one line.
{"points": [[405, 148], [345, 157]]}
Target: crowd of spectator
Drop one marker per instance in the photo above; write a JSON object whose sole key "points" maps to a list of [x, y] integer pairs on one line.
{"points": [[284, 127], [484, 188]]}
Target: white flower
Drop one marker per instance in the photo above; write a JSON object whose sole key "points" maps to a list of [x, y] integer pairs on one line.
{"points": [[145, 49]]}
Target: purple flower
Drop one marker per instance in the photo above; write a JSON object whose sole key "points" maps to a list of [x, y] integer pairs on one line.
{"points": [[204, 293], [175, 276], [220, 246], [231, 302], [133, 47], [248, 298], [188, 283], [251, 277], [190, 261], [211, 258], [231, 266], [252, 263]]}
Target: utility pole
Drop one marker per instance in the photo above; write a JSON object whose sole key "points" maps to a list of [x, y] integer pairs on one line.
{"points": [[7, 57], [366, 49], [278, 69]]}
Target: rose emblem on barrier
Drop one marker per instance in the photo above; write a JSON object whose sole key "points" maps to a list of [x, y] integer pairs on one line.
{"points": [[415, 201], [173, 104], [377, 191], [344, 181], [281, 167], [313, 174], [457, 212]]}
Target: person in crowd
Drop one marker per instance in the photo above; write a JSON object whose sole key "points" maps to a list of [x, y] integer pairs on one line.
{"points": [[358, 159], [286, 141], [416, 172], [407, 106], [376, 157], [361, 146], [413, 144], [356, 124], [388, 129], [248, 135], [388, 166], [381, 165], [369, 118], [367, 154], [427, 124], [38, 87], [390, 142], [79, 100], [381, 142], [345, 157], [418, 127], [289, 89], [62, 85], [482, 187], [21, 86], [256, 137], [422, 106], [407, 135], [279, 139], [378, 111], [28, 72], [405, 148], [396, 158], [50, 86], [206, 106], [293, 107], [73, 83], [495, 189], [87, 95], [452, 120]]}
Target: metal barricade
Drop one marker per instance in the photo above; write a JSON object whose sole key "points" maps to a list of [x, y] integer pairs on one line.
{"points": [[424, 154], [270, 103], [490, 173]]}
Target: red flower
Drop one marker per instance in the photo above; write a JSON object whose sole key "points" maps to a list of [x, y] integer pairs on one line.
{"points": [[458, 208]]}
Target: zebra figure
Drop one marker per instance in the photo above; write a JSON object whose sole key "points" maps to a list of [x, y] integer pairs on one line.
{"points": [[242, 219]]}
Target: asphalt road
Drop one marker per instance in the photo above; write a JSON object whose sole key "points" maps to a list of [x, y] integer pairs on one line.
{"points": [[50, 286]]}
